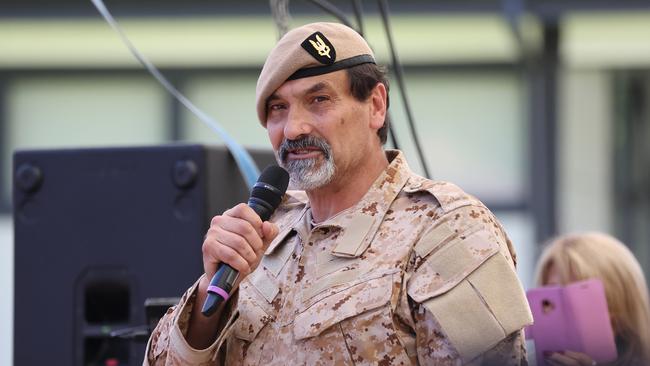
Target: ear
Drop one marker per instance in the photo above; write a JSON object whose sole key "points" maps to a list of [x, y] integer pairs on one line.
{"points": [[377, 106]]}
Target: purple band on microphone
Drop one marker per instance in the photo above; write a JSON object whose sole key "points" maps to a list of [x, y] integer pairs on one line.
{"points": [[219, 291]]}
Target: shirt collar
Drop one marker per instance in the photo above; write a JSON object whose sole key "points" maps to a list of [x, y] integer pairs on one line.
{"points": [[360, 222]]}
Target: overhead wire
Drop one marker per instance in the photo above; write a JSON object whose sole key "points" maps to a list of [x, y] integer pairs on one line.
{"points": [[281, 16], [245, 163], [358, 14], [512, 12], [332, 9], [399, 76]]}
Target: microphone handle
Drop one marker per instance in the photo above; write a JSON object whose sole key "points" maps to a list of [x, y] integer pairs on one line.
{"points": [[224, 279]]}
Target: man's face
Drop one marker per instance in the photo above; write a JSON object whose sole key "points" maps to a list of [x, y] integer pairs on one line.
{"points": [[318, 130]]}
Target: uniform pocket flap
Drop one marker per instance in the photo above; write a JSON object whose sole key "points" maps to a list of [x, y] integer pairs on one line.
{"points": [[252, 318], [449, 265], [341, 305], [493, 303]]}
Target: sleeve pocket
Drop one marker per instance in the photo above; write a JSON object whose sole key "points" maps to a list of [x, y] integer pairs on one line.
{"points": [[483, 309], [449, 265]]}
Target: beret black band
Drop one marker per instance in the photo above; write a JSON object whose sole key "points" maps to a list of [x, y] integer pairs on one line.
{"points": [[339, 65]]}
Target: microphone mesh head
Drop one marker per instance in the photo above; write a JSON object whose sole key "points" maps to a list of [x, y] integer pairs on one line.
{"points": [[276, 177]]}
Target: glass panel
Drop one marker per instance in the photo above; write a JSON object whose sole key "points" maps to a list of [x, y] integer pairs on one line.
{"points": [[631, 161], [230, 100], [584, 150], [521, 230], [76, 111], [472, 128], [618, 39]]}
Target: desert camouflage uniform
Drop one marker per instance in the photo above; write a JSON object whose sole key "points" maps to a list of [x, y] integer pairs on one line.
{"points": [[418, 272]]}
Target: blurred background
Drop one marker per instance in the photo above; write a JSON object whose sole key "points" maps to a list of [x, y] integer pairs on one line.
{"points": [[539, 108]]}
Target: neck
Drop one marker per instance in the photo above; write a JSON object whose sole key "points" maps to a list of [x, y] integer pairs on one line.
{"points": [[347, 188]]}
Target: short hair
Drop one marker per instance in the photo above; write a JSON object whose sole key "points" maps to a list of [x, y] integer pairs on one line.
{"points": [[363, 79]]}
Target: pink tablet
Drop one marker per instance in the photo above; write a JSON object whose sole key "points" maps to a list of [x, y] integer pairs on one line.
{"points": [[572, 317]]}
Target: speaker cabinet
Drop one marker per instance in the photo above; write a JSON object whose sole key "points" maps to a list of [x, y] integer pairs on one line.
{"points": [[98, 231]]}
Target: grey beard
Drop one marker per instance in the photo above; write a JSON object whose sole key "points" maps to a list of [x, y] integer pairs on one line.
{"points": [[307, 174]]}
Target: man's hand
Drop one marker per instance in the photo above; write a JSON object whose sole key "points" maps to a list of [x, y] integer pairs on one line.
{"points": [[238, 238]]}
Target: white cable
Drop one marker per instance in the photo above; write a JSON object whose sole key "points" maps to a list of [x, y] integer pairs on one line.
{"points": [[247, 166]]}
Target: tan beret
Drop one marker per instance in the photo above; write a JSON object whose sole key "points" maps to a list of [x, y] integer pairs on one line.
{"points": [[309, 50]]}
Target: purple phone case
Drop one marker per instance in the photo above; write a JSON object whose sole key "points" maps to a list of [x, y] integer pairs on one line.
{"points": [[574, 318]]}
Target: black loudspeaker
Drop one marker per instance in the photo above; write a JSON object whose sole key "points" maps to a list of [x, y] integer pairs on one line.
{"points": [[98, 231]]}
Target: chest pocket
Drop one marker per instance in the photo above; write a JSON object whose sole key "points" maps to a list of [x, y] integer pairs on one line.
{"points": [[259, 290], [332, 306], [252, 317], [353, 319]]}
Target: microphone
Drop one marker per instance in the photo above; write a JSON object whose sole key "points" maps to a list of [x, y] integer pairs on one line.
{"points": [[265, 198]]}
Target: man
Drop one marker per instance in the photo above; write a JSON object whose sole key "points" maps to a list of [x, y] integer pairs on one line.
{"points": [[368, 263]]}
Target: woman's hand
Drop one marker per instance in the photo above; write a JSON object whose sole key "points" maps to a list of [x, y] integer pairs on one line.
{"points": [[569, 358]]}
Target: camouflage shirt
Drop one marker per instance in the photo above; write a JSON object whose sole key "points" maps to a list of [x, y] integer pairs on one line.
{"points": [[417, 272]]}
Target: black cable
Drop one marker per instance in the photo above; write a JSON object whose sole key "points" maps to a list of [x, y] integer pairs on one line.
{"points": [[391, 132], [512, 11], [397, 67], [358, 14], [330, 8]]}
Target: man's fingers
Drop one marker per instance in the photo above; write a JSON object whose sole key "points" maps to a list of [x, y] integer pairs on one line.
{"points": [[244, 229], [224, 254], [244, 212], [238, 243], [270, 231], [238, 238]]}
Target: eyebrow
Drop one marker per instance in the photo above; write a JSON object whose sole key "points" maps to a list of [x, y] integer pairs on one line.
{"points": [[271, 98], [317, 87], [312, 89]]}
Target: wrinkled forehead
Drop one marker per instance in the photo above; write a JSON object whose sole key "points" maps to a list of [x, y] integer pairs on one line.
{"points": [[333, 83]]}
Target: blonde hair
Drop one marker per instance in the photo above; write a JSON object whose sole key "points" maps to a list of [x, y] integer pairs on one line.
{"points": [[579, 257]]}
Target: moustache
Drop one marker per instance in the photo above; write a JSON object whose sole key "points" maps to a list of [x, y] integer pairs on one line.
{"points": [[303, 143]]}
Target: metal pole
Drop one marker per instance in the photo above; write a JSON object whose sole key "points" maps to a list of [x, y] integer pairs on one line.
{"points": [[542, 81]]}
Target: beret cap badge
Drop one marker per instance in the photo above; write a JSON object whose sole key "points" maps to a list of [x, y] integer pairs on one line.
{"points": [[320, 48]]}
